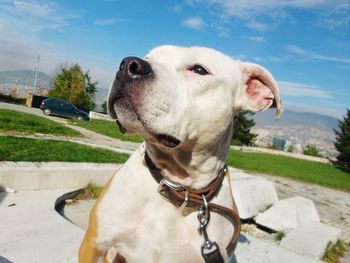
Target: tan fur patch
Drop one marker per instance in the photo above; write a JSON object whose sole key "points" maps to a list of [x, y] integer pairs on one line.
{"points": [[88, 251]]}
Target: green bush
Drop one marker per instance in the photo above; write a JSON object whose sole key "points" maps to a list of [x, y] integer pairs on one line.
{"points": [[8, 98], [312, 151], [334, 251]]}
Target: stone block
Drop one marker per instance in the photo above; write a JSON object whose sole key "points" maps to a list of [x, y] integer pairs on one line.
{"points": [[253, 196], [255, 250], [311, 239], [289, 214], [236, 174]]}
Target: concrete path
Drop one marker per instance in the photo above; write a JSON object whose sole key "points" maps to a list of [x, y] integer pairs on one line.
{"points": [[32, 230]]}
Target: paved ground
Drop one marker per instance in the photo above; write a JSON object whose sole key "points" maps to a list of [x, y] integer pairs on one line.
{"points": [[32, 231]]}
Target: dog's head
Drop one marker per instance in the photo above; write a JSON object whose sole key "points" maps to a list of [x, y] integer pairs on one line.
{"points": [[177, 95]]}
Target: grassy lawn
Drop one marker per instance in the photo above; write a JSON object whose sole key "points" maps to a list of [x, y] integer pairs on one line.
{"points": [[20, 149], [32, 150], [25, 122], [108, 128], [302, 170]]}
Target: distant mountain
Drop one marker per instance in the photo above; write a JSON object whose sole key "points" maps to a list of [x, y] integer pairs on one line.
{"points": [[25, 78], [288, 117]]}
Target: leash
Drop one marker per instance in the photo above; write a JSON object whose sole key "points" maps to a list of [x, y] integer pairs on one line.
{"points": [[181, 197]]}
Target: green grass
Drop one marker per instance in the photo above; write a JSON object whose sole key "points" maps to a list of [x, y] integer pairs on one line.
{"points": [[302, 170], [334, 252], [91, 191], [280, 235], [25, 122], [32, 150], [107, 128]]}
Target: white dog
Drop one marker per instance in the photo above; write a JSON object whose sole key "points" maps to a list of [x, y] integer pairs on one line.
{"points": [[182, 102]]}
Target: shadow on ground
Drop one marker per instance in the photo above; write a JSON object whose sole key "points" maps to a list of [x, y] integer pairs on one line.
{"points": [[4, 260], [2, 197]]}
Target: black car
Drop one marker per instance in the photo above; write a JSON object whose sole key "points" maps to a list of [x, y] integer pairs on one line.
{"points": [[62, 108]]}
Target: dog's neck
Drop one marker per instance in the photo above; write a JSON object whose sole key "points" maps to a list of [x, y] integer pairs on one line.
{"points": [[192, 165]]}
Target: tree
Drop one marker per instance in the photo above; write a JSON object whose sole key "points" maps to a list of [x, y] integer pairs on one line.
{"points": [[74, 85], [241, 130], [91, 89], [104, 107], [13, 92], [312, 151], [342, 140]]}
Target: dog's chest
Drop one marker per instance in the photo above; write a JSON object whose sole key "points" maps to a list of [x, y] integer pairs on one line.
{"points": [[154, 231], [143, 227]]}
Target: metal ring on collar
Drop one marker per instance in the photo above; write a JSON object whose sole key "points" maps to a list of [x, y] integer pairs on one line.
{"points": [[172, 185]]}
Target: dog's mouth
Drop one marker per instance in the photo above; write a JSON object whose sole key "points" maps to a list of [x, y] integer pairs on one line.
{"points": [[168, 140]]}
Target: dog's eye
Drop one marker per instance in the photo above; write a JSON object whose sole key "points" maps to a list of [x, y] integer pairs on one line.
{"points": [[198, 69]]}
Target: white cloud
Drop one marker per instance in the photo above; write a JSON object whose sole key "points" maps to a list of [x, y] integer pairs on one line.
{"points": [[305, 54], [266, 15], [336, 17], [223, 31], [20, 41], [110, 21], [193, 22], [302, 90], [104, 22], [259, 26], [250, 8], [36, 15], [257, 39], [177, 8]]}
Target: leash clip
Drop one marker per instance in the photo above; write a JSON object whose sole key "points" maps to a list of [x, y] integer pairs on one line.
{"points": [[210, 249]]}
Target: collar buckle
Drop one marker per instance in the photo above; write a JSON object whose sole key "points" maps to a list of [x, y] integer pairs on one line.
{"points": [[174, 186]]}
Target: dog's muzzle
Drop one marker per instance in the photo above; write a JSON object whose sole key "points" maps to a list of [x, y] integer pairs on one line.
{"points": [[132, 70], [133, 75]]}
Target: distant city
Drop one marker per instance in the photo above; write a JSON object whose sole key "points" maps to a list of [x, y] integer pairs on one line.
{"points": [[298, 136], [298, 129]]}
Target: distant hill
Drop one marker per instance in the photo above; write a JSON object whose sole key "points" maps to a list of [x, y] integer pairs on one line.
{"points": [[24, 78], [267, 118]]}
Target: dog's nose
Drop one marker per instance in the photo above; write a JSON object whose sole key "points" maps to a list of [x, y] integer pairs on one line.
{"points": [[134, 67]]}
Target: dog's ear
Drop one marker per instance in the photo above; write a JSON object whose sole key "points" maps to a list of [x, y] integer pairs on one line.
{"points": [[260, 89]]}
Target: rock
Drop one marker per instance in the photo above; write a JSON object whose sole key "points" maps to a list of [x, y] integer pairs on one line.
{"points": [[289, 214], [311, 239], [253, 231], [236, 174], [253, 196], [261, 251]]}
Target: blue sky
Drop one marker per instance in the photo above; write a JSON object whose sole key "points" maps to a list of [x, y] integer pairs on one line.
{"points": [[304, 43]]}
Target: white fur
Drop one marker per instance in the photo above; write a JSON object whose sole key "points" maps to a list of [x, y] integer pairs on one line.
{"points": [[144, 227], [133, 218]]}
